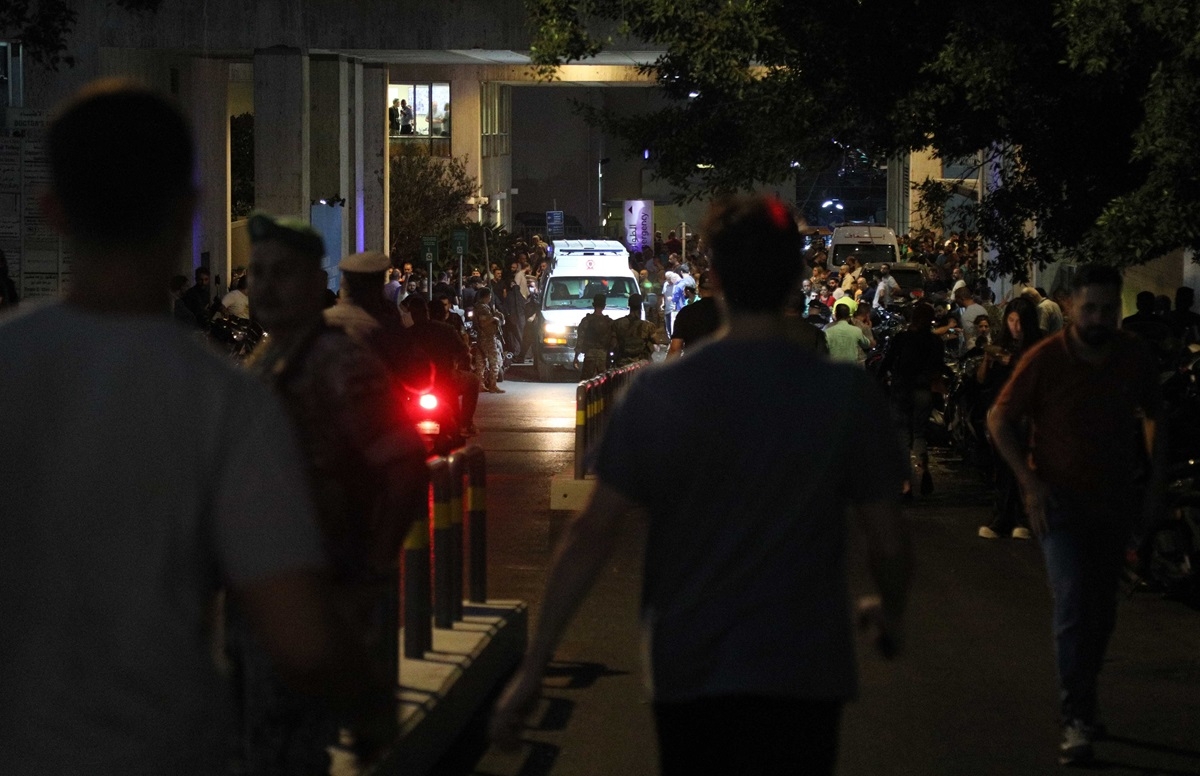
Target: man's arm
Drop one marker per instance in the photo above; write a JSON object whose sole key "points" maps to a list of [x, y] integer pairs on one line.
{"points": [[589, 541], [889, 550], [676, 348]]}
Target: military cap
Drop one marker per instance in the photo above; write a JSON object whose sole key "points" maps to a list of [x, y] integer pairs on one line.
{"points": [[292, 232], [371, 261]]}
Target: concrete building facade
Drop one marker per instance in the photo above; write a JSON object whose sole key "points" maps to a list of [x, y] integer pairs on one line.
{"points": [[316, 76]]}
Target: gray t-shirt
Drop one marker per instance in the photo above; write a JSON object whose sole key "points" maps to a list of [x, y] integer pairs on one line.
{"points": [[138, 473], [745, 587]]}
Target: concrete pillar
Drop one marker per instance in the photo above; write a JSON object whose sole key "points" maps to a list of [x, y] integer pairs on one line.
{"points": [[329, 133], [376, 186], [466, 128], [208, 103], [354, 200], [282, 184]]}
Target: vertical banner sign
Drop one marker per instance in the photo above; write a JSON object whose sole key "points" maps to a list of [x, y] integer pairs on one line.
{"points": [[556, 228], [639, 224]]}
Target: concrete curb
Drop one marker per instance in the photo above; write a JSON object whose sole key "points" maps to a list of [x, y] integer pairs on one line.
{"points": [[439, 695]]}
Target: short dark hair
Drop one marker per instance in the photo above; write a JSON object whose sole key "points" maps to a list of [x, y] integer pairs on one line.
{"points": [[841, 311], [121, 158], [1096, 275], [752, 236], [635, 301]]}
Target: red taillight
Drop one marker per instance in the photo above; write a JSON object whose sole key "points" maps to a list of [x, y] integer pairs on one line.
{"points": [[916, 293], [428, 401]]}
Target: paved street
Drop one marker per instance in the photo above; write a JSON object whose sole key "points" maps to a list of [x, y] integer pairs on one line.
{"points": [[974, 693]]}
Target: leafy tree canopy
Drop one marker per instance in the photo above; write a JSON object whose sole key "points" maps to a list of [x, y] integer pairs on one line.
{"points": [[428, 197], [1084, 111], [43, 26]]}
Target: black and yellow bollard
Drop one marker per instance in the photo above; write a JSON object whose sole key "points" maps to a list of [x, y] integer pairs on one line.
{"points": [[455, 463], [418, 627], [476, 520], [581, 420], [443, 562]]}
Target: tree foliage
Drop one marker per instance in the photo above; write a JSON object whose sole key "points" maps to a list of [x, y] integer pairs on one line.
{"points": [[42, 27], [1083, 110], [428, 197]]}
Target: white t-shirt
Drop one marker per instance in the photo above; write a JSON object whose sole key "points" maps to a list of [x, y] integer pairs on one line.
{"points": [[138, 474], [237, 303]]}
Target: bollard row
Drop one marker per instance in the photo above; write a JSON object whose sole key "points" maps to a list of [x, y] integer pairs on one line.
{"points": [[593, 400], [434, 549]]}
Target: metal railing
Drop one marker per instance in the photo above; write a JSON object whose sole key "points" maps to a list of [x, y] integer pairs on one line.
{"points": [[594, 399], [434, 549]]}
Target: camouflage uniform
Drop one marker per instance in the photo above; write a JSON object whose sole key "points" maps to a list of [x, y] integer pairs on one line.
{"points": [[487, 323], [635, 339], [351, 430], [594, 338]]}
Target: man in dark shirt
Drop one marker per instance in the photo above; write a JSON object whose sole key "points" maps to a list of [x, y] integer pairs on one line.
{"points": [[698, 320], [450, 355], [199, 297], [1184, 323], [1091, 396]]}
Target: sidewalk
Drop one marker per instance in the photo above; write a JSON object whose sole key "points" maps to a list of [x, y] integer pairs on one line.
{"points": [[439, 695]]}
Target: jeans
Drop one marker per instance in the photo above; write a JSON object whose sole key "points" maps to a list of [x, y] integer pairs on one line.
{"points": [[910, 414], [1083, 563], [746, 734]]}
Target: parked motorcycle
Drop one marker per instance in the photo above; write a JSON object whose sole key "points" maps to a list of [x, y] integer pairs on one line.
{"points": [[238, 337]]}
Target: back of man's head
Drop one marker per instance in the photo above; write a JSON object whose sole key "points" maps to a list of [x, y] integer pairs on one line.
{"points": [[121, 162], [599, 301], [1145, 302], [1185, 297], [753, 237], [841, 311]]}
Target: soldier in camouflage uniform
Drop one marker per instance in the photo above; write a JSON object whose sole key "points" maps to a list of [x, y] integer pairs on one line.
{"points": [[594, 338], [635, 338], [365, 467], [487, 324]]}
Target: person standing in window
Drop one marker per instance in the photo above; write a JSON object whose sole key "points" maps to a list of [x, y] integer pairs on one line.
{"points": [[406, 118], [394, 117]]}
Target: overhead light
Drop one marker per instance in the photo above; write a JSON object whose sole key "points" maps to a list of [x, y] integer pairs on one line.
{"points": [[704, 166], [693, 95], [839, 206], [323, 202], [646, 154], [827, 203]]}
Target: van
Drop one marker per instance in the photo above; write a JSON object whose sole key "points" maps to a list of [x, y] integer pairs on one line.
{"points": [[870, 243], [579, 270]]}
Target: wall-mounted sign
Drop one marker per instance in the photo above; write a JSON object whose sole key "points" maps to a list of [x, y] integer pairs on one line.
{"points": [[639, 224]]}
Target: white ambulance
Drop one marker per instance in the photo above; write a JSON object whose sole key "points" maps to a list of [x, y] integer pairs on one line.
{"points": [[579, 270]]}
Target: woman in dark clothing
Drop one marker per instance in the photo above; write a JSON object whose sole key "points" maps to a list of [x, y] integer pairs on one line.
{"points": [[1018, 334], [914, 359]]}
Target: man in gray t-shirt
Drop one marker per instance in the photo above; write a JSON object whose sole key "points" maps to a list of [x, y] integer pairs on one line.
{"points": [[745, 611], [141, 474]]}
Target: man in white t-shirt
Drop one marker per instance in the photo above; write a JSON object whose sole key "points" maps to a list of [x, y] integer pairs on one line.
{"points": [[236, 303], [141, 474], [971, 310], [886, 290]]}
